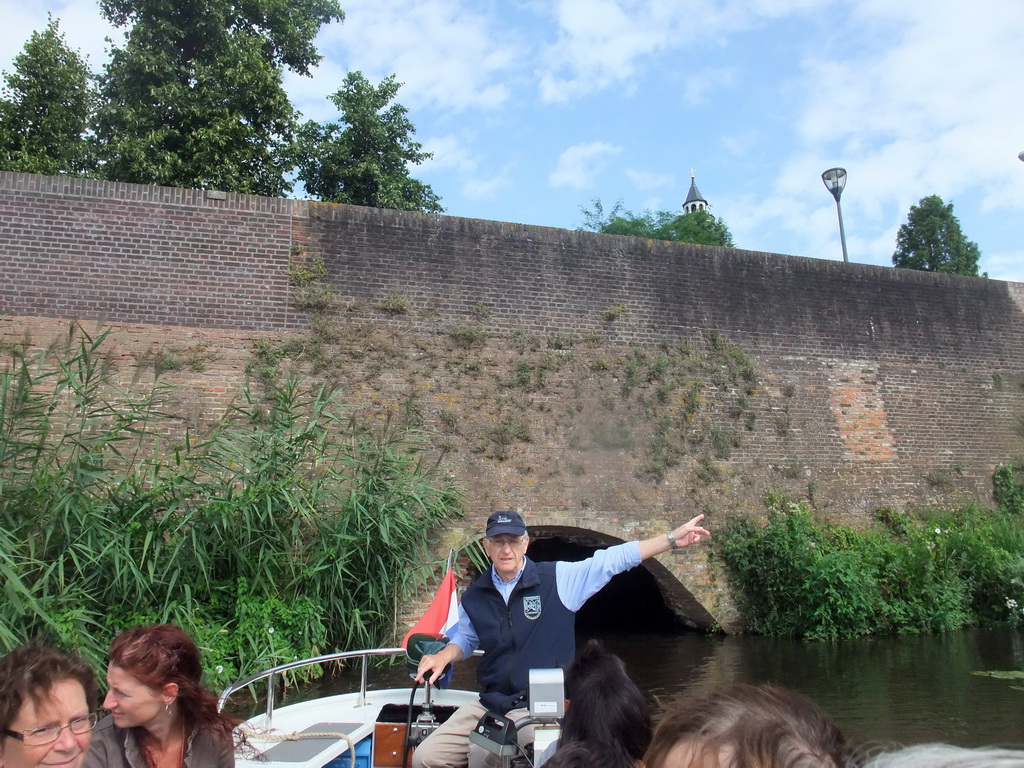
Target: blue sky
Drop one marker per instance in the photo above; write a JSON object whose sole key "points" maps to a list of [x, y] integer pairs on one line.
{"points": [[534, 108]]}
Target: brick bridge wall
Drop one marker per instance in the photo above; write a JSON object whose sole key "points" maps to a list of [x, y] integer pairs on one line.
{"points": [[875, 385]]}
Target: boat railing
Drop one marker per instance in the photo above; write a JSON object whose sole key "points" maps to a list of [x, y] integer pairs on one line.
{"points": [[272, 674]]}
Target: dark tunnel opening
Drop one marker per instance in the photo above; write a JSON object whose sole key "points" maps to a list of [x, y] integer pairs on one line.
{"points": [[630, 603]]}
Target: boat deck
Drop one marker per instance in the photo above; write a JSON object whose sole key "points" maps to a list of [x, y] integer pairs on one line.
{"points": [[329, 732]]}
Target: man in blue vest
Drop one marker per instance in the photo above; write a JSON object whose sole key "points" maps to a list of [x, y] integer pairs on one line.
{"points": [[523, 615]]}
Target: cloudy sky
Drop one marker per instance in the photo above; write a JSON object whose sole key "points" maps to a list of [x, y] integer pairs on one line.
{"points": [[533, 108]]}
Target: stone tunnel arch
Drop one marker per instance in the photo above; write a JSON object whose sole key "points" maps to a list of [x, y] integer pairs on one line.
{"points": [[674, 585], [623, 603]]}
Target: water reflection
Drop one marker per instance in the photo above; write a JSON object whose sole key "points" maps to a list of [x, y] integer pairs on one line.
{"points": [[899, 689]]}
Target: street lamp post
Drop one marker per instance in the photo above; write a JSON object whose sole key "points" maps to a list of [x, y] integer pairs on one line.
{"points": [[835, 180]]}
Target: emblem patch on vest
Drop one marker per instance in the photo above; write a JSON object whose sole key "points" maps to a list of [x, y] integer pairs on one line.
{"points": [[531, 607]]}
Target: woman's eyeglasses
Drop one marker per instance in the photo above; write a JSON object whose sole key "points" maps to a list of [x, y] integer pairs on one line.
{"points": [[37, 737]]}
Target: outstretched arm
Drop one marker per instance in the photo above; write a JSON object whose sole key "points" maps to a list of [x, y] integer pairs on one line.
{"points": [[686, 534]]}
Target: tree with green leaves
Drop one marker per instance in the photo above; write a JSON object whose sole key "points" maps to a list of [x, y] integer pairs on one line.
{"points": [[364, 158], [698, 227], [932, 241], [194, 97], [45, 107]]}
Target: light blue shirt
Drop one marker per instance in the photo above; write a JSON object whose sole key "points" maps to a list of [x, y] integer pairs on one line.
{"points": [[576, 583]]}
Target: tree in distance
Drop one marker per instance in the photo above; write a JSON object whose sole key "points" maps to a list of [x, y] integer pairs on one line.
{"points": [[194, 97], [45, 107], [932, 241], [698, 227], [364, 158]]}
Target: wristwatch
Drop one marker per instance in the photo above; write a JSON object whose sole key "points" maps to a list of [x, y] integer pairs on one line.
{"points": [[671, 540]]}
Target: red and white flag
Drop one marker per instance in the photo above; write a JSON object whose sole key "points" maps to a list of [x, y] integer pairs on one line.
{"points": [[442, 615]]}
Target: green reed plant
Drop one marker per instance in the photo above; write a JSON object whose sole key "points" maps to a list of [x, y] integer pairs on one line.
{"points": [[64, 444], [286, 531], [1008, 489], [934, 572]]}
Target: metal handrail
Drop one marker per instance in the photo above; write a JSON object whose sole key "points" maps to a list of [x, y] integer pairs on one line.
{"points": [[272, 673]]}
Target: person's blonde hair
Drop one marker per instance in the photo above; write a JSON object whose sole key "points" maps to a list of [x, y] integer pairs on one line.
{"points": [[750, 726]]}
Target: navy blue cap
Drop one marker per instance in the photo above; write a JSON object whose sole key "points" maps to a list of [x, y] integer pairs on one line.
{"points": [[505, 521]]}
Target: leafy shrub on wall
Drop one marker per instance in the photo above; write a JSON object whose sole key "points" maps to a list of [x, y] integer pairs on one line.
{"points": [[797, 576]]}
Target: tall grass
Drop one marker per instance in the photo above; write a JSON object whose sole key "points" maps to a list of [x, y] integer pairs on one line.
{"points": [[933, 572], [290, 529]]}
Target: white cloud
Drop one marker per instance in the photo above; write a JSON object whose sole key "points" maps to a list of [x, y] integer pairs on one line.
{"points": [[657, 203], [1008, 265], [778, 8], [579, 164], [738, 143], [450, 152], [645, 181], [310, 95], [449, 54], [83, 28], [486, 188], [709, 82], [453, 154], [599, 42], [914, 98], [602, 43]]}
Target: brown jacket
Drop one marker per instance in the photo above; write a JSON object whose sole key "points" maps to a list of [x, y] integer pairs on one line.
{"points": [[114, 747]]}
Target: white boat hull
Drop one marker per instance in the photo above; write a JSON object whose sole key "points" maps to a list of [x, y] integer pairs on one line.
{"points": [[359, 729], [291, 742]]}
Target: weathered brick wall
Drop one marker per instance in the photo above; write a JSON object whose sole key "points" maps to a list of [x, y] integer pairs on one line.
{"points": [[78, 248], [885, 386], [876, 385], [546, 280]]}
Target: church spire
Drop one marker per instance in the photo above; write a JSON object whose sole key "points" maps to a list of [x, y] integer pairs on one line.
{"points": [[694, 201]]}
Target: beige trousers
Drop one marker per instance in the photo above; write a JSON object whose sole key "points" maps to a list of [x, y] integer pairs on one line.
{"points": [[449, 746]]}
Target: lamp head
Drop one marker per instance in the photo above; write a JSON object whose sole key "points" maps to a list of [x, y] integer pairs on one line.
{"points": [[835, 180]]}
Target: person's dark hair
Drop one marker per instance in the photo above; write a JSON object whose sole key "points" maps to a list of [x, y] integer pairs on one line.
{"points": [[30, 672], [607, 711], [163, 653], [580, 755], [751, 726]]}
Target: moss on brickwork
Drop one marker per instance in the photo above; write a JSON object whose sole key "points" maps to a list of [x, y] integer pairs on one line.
{"points": [[570, 406]]}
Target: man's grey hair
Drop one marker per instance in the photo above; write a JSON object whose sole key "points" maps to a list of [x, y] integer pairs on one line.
{"points": [[946, 756]]}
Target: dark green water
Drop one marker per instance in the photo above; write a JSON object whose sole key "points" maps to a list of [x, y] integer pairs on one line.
{"points": [[898, 689], [903, 690]]}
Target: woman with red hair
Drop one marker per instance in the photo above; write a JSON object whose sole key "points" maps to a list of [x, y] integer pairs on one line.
{"points": [[160, 714]]}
